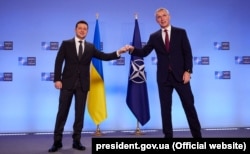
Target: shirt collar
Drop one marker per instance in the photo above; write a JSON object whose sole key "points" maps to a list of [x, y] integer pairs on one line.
{"points": [[168, 28], [77, 40]]}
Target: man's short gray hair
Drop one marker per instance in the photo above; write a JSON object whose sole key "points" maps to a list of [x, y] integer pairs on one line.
{"points": [[161, 9]]}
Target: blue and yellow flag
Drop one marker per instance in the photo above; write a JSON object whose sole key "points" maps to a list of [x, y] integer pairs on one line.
{"points": [[137, 94], [96, 97]]}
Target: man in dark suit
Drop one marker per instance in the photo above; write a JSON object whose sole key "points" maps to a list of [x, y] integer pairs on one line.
{"points": [[72, 77], [174, 68]]}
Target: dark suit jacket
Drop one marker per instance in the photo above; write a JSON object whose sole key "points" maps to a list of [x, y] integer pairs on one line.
{"points": [[73, 67], [179, 57]]}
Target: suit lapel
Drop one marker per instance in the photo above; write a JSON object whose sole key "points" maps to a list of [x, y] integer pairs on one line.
{"points": [[172, 36], [160, 40], [73, 47], [86, 46]]}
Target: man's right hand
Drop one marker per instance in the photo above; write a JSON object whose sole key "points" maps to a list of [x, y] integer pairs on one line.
{"points": [[58, 84], [130, 48]]}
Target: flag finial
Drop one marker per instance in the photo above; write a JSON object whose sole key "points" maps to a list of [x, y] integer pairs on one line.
{"points": [[136, 16], [97, 15]]}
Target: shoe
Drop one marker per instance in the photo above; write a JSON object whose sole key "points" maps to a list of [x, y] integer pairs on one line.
{"points": [[168, 137], [55, 147], [78, 146]]}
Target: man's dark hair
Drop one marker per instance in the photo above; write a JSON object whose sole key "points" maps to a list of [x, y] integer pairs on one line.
{"points": [[81, 22]]}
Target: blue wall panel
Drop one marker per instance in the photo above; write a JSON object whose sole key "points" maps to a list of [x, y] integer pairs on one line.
{"points": [[29, 104]]}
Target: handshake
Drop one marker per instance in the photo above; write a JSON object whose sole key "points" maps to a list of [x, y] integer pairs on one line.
{"points": [[125, 49]]}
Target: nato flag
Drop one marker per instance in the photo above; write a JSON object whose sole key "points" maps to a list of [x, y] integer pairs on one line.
{"points": [[137, 95]]}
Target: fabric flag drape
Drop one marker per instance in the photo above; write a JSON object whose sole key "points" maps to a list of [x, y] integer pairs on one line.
{"points": [[96, 97], [137, 95]]}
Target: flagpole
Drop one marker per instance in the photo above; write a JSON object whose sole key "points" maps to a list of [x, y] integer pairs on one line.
{"points": [[98, 130], [97, 15], [137, 130], [137, 96], [136, 16]]}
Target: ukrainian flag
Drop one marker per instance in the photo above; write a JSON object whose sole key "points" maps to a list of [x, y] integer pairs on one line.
{"points": [[96, 97]]}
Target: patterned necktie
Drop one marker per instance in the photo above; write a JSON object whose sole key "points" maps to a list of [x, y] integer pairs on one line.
{"points": [[80, 50], [166, 40]]}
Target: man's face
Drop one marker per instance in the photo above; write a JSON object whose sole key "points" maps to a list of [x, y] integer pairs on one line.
{"points": [[81, 30], [163, 18]]}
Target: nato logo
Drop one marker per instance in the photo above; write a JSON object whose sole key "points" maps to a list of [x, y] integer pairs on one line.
{"points": [[154, 60], [6, 45], [47, 76], [201, 60], [137, 72], [27, 61], [6, 76], [242, 60], [222, 45], [222, 75], [50, 45], [120, 61]]}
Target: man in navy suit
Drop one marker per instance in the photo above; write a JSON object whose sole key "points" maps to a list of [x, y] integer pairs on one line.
{"points": [[72, 77], [174, 68]]}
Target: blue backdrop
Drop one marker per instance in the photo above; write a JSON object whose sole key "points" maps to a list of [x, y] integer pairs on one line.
{"points": [[219, 35]]}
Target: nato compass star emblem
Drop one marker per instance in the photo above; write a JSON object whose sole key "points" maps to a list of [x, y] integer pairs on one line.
{"points": [[137, 74]]}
